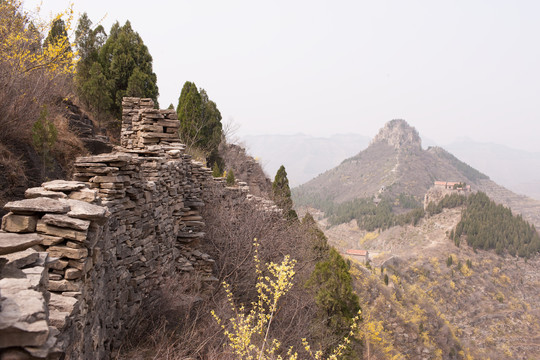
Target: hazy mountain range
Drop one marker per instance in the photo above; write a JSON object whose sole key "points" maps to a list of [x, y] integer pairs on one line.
{"points": [[306, 156]]}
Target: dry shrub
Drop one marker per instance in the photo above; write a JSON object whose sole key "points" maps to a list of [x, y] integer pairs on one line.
{"points": [[231, 225], [68, 146], [11, 173], [175, 325], [32, 76]]}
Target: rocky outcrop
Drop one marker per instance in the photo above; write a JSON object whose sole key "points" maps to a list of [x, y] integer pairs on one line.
{"points": [[106, 241], [246, 168], [83, 126], [398, 134]]}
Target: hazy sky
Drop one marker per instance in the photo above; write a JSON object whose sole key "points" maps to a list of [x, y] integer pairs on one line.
{"points": [[450, 68]]}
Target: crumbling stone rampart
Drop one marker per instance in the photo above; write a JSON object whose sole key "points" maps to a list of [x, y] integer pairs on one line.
{"points": [[79, 258]]}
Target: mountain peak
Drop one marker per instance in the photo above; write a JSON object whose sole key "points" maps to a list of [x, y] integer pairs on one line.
{"points": [[398, 134]]}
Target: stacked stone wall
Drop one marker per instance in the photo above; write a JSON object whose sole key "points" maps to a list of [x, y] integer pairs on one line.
{"points": [[90, 252]]}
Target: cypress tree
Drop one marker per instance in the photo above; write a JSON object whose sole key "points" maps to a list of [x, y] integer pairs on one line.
{"points": [[216, 172], [200, 122], [112, 67], [336, 301], [281, 190], [230, 178], [128, 64]]}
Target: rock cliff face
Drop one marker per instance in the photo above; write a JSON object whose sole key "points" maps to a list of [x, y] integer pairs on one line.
{"points": [[103, 244], [398, 134]]}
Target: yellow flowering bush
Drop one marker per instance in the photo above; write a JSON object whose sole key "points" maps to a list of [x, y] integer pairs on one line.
{"points": [[20, 41], [248, 330]]}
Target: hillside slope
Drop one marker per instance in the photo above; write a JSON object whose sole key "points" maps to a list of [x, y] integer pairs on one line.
{"points": [[479, 304], [394, 163]]}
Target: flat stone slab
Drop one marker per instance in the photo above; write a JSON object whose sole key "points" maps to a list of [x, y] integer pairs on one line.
{"points": [[64, 285], [41, 204], [21, 259], [36, 192], [105, 158], [109, 179], [11, 242], [63, 185], [23, 316], [24, 334], [66, 221], [62, 232], [42, 352], [86, 211], [62, 303], [86, 195]]}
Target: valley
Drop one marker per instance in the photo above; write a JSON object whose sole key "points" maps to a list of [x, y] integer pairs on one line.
{"points": [[487, 302], [424, 297]]}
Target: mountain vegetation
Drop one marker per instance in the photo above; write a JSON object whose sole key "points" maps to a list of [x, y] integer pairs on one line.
{"points": [[420, 297], [200, 123], [111, 67], [36, 69], [487, 225], [281, 193]]}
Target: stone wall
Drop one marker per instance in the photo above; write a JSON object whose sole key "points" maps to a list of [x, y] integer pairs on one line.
{"points": [[89, 253]]}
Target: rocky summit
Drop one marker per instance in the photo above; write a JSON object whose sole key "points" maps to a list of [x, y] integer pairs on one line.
{"points": [[398, 134]]}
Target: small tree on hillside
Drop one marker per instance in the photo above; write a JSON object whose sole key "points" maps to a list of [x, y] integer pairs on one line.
{"points": [[200, 122], [44, 136], [338, 304], [230, 178], [282, 193]]}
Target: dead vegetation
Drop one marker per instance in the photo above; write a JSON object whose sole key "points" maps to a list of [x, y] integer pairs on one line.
{"points": [[477, 303], [182, 327]]}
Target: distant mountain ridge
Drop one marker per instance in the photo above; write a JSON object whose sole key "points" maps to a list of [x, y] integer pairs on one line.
{"points": [[302, 155], [306, 156], [517, 170]]}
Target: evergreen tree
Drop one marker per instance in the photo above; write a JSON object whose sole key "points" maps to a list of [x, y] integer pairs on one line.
{"points": [[320, 246], [128, 64], [230, 178], [112, 67], [492, 226], [334, 296], [189, 113], [44, 136], [216, 172], [93, 87], [200, 122], [281, 190]]}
